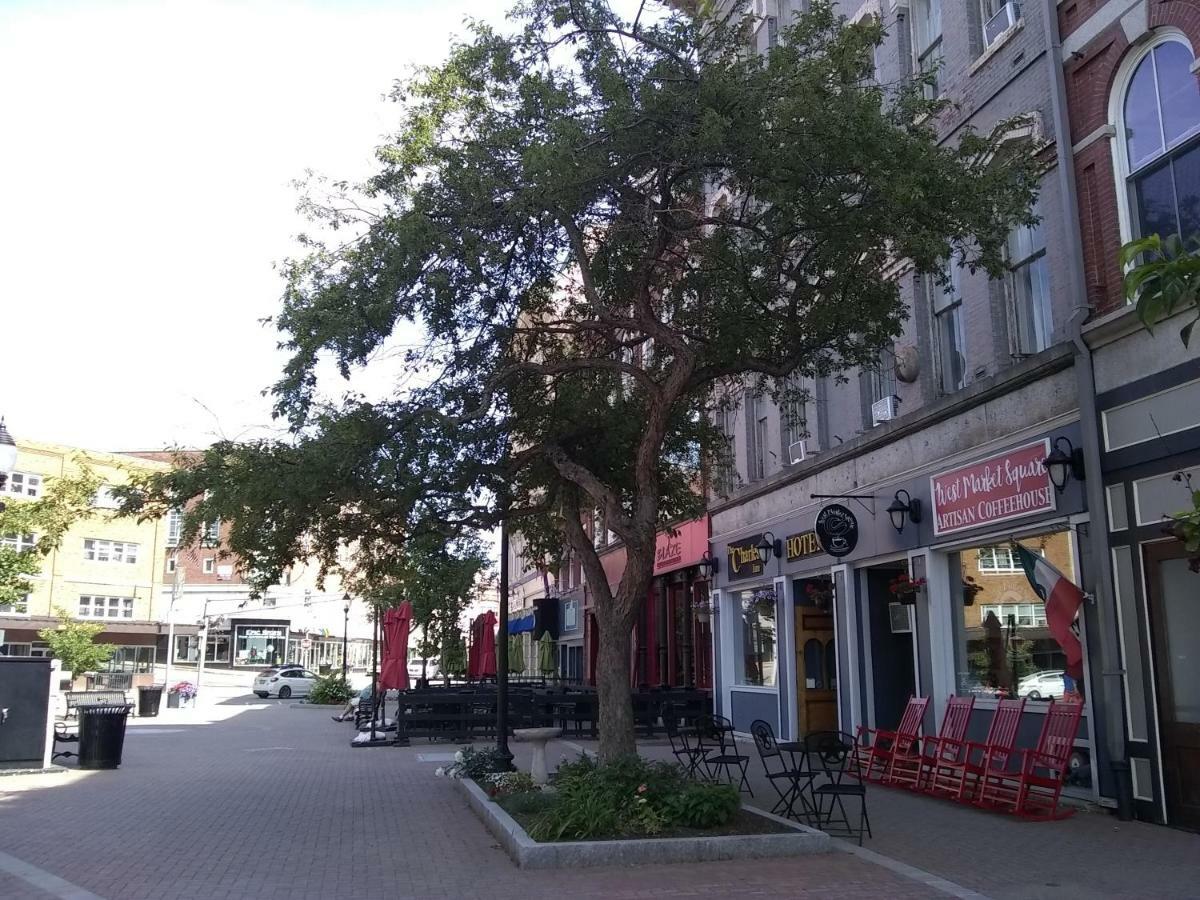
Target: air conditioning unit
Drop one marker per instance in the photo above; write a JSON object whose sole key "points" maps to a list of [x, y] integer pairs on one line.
{"points": [[799, 451], [883, 410], [1003, 20]]}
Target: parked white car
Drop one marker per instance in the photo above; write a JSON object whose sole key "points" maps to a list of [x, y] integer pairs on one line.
{"points": [[430, 668], [1047, 683], [284, 682]]}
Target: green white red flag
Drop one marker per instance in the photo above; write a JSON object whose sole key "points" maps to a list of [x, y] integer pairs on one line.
{"points": [[1062, 599]]}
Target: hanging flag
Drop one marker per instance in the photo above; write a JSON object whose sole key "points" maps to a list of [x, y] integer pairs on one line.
{"points": [[1062, 599]]}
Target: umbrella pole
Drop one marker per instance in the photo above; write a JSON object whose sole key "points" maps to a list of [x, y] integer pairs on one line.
{"points": [[502, 752], [374, 675]]}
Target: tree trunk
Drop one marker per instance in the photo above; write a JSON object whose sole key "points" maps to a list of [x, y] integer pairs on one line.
{"points": [[617, 737]]}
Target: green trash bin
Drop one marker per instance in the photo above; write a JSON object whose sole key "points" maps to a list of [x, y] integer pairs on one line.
{"points": [[101, 734]]}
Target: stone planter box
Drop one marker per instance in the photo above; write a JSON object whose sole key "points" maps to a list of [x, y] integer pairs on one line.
{"points": [[530, 854]]}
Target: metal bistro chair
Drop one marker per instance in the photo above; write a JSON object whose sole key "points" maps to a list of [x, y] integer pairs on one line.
{"points": [[842, 767], [719, 748], [796, 775], [684, 741]]}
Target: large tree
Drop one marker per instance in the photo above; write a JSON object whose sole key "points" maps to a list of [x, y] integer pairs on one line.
{"points": [[604, 228]]}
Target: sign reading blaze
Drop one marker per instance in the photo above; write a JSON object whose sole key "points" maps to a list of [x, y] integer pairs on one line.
{"points": [[1007, 486]]}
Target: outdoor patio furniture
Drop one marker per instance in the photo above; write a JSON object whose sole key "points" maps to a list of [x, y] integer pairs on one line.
{"points": [[956, 766], [1033, 789], [719, 748], [790, 777], [684, 741], [911, 765], [874, 747], [842, 767]]}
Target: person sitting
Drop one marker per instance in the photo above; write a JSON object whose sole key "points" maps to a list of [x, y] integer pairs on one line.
{"points": [[352, 705]]}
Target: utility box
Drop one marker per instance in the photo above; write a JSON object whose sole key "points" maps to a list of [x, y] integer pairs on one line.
{"points": [[25, 717]]}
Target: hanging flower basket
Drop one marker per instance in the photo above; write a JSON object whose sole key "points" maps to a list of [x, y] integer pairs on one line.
{"points": [[763, 601], [702, 610], [905, 589], [971, 590], [820, 593]]}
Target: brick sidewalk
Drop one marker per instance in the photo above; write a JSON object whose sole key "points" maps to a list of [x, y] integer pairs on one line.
{"points": [[271, 802]]}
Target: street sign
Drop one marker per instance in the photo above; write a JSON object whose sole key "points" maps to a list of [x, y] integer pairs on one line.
{"points": [[306, 644]]}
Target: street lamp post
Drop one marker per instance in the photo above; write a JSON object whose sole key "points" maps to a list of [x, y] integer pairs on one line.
{"points": [[345, 635]]}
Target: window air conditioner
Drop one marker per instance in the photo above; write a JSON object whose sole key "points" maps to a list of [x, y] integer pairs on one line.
{"points": [[1003, 20], [799, 451], [883, 410]]}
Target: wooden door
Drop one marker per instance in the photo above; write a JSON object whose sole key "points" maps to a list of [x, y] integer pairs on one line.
{"points": [[1174, 592], [816, 658]]}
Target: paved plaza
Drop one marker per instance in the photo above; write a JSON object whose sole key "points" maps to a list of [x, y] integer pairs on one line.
{"points": [[247, 798]]}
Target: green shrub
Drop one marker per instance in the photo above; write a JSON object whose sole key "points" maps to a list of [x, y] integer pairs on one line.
{"points": [[528, 803], [330, 689], [703, 805], [504, 784], [476, 764]]}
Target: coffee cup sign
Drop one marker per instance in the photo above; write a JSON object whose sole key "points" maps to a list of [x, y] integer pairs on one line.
{"points": [[837, 530]]}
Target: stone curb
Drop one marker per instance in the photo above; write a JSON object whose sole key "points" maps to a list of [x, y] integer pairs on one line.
{"points": [[529, 854]]}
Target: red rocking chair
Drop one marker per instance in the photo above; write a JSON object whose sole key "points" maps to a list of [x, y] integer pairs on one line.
{"points": [[910, 766], [876, 746], [956, 766], [1033, 789]]}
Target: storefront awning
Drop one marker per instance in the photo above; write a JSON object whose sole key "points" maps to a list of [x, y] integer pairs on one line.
{"points": [[521, 624]]}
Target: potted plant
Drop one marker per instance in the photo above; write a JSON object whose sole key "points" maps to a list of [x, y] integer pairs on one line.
{"points": [[820, 593], [905, 589], [181, 695], [702, 607], [971, 590]]}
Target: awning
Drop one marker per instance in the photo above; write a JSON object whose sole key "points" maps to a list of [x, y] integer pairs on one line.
{"points": [[521, 624]]}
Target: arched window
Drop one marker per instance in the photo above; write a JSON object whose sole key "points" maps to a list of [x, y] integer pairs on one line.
{"points": [[1160, 146]]}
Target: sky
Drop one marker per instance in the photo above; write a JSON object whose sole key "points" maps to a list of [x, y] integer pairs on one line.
{"points": [[146, 193]]}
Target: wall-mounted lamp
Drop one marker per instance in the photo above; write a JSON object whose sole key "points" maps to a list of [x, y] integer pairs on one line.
{"points": [[902, 510], [708, 564], [1062, 464], [769, 546]]}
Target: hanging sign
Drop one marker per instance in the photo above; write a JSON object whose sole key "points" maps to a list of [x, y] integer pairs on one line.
{"points": [[837, 530], [1007, 486], [802, 545], [743, 558]]}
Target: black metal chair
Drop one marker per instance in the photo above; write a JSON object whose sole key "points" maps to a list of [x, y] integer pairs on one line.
{"points": [[718, 746], [792, 772], [837, 753], [684, 743]]}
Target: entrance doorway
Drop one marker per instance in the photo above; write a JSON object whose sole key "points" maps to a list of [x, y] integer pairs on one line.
{"points": [[816, 655], [893, 659], [1174, 594]]}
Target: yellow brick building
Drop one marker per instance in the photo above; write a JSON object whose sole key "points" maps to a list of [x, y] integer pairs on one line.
{"points": [[107, 569]]}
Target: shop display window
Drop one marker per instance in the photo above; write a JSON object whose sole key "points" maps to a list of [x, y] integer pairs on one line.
{"points": [[756, 619]]}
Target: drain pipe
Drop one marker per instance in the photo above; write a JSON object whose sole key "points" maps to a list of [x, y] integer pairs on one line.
{"points": [[1104, 607]]}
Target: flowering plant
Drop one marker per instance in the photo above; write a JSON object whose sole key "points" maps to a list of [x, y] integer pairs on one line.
{"points": [[184, 689], [905, 589], [820, 593], [473, 764]]}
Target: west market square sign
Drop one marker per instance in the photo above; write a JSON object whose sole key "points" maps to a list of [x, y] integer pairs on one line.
{"points": [[1010, 485]]}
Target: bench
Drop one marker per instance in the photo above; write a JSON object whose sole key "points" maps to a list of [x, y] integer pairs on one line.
{"points": [[75, 699]]}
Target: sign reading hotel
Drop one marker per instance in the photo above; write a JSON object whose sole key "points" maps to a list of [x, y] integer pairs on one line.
{"points": [[799, 546], [1007, 486]]}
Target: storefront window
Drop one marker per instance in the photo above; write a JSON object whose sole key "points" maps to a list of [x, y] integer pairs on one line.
{"points": [[1005, 647], [259, 646], [756, 621]]}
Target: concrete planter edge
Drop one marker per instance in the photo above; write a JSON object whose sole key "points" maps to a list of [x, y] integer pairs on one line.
{"points": [[529, 854]]}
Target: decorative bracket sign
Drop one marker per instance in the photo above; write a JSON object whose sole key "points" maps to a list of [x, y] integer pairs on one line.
{"points": [[837, 529], [1007, 486]]}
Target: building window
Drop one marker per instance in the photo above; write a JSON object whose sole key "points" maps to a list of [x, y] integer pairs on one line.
{"points": [[756, 619], [104, 499], [756, 424], [17, 607], [22, 484], [998, 561], [93, 607], [599, 532], [945, 301], [174, 527], [22, 543], [211, 533], [927, 41], [172, 565], [726, 457], [97, 550], [882, 375], [793, 417], [998, 17], [1029, 289], [1161, 119], [132, 658], [210, 565]]}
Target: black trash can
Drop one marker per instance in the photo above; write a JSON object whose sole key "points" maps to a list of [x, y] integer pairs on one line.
{"points": [[101, 735], [149, 697], [324, 669]]}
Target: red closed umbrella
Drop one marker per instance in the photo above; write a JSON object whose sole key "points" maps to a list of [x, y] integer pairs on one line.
{"points": [[487, 646], [393, 671]]}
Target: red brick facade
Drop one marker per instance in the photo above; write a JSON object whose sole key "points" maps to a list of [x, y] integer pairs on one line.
{"points": [[1090, 75]]}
